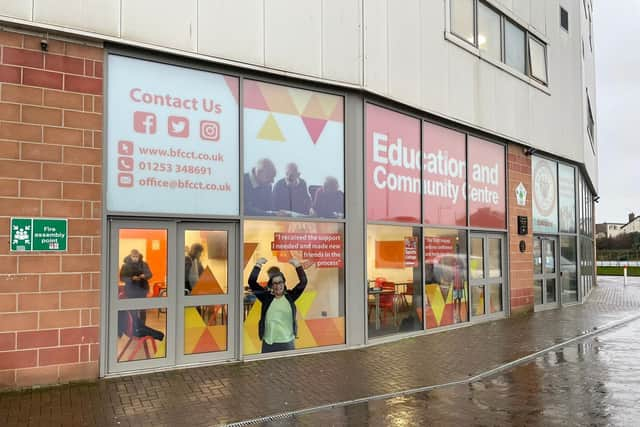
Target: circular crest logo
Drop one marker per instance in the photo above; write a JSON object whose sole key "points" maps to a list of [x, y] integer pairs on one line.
{"points": [[544, 194]]}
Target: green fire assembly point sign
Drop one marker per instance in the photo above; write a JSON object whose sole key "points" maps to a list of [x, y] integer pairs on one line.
{"points": [[38, 234]]}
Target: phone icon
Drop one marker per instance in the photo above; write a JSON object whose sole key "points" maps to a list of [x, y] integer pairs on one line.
{"points": [[125, 164]]}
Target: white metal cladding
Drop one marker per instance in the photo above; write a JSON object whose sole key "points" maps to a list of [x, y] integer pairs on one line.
{"points": [[395, 49]]}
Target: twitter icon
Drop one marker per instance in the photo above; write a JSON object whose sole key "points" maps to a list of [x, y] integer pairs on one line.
{"points": [[178, 126]]}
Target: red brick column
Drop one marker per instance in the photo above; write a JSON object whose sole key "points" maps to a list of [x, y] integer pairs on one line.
{"points": [[50, 166], [521, 263]]}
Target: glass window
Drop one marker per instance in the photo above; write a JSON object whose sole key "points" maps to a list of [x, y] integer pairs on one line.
{"points": [[446, 285], [394, 297], [141, 335], [486, 193], [489, 39], [143, 272], [319, 306], [444, 165], [545, 195], [567, 199], [293, 152], [393, 166], [205, 256], [495, 258], [514, 46], [568, 274], [564, 18], [538, 59], [175, 135], [476, 256], [537, 257], [462, 20]]}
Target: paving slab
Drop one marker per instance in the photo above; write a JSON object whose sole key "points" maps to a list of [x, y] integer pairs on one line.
{"points": [[222, 394]]}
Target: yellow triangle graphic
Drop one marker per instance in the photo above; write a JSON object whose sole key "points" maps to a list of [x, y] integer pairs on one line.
{"points": [[436, 301], [304, 302], [300, 98], [270, 130], [314, 108], [328, 103], [305, 337]]}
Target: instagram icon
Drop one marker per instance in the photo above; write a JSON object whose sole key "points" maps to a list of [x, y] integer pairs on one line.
{"points": [[209, 130]]}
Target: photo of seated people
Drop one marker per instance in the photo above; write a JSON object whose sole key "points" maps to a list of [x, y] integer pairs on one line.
{"points": [[290, 195], [293, 298], [142, 274]]}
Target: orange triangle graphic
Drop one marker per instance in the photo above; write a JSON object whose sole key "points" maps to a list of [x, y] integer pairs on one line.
{"points": [[207, 284], [206, 343], [278, 99], [249, 250], [314, 108]]}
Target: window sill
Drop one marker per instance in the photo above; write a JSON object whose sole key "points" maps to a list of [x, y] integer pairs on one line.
{"points": [[452, 38]]}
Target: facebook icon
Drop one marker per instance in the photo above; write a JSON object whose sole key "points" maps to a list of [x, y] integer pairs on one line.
{"points": [[144, 122]]}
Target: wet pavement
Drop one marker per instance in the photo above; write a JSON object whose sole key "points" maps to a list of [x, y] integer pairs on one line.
{"points": [[594, 382], [242, 391]]}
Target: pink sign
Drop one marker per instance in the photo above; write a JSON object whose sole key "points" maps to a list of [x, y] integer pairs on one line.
{"points": [[393, 166], [436, 246], [486, 192], [444, 176]]}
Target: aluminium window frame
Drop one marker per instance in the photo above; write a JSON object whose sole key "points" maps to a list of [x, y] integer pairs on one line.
{"points": [[534, 39], [503, 19]]}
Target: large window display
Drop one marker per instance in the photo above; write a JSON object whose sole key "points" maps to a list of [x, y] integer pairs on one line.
{"points": [[293, 152], [394, 301], [486, 193], [176, 134], [393, 166], [446, 285], [567, 192], [294, 285], [545, 195], [444, 176]]}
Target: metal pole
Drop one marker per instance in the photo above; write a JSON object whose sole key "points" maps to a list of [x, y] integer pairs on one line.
{"points": [[625, 275]]}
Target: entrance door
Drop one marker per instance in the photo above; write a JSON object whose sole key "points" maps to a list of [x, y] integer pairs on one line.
{"points": [[206, 311], [486, 274], [545, 271], [164, 308]]}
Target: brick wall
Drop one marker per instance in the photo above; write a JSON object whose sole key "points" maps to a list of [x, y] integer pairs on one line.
{"points": [[521, 263], [50, 166]]}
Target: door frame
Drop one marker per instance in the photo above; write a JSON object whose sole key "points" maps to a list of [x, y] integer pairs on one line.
{"points": [[485, 281], [544, 276], [229, 299], [174, 337]]}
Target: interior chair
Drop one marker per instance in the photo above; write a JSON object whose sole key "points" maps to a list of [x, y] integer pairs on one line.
{"points": [[388, 300], [160, 290], [139, 341]]}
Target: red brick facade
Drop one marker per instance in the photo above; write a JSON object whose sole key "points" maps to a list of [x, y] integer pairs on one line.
{"points": [[520, 263], [50, 166]]}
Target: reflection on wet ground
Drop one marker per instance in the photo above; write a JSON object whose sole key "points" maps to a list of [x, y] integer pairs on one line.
{"points": [[594, 382]]}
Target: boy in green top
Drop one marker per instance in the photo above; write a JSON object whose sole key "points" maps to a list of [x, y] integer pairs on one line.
{"points": [[278, 326]]}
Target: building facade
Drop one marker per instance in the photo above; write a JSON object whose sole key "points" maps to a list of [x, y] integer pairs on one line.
{"points": [[427, 164]]}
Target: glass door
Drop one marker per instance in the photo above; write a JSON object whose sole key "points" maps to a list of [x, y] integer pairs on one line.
{"points": [[142, 293], [172, 288], [206, 310], [486, 274], [545, 272]]}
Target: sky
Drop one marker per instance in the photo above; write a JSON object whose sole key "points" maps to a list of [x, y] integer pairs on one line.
{"points": [[616, 39]]}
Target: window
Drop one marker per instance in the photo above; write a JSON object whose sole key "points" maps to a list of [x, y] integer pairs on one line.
{"points": [[462, 19], [564, 18], [590, 122], [514, 46], [498, 38], [489, 32], [537, 60]]}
